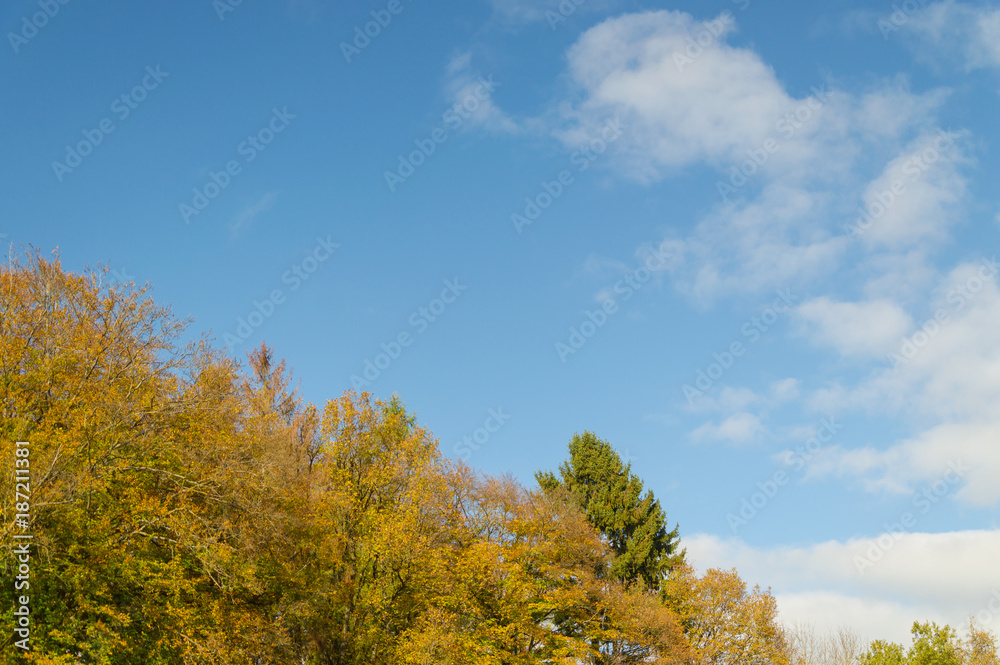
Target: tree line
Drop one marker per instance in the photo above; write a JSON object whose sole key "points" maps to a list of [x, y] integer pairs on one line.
{"points": [[190, 508]]}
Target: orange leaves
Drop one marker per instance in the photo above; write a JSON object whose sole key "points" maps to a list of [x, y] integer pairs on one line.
{"points": [[155, 501], [726, 624], [528, 578]]}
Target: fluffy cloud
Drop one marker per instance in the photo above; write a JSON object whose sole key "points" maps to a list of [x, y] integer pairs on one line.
{"points": [[738, 429], [946, 577], [733, 400], [739, 426], [791, 167], [472, 97], [958, 30], [867, 329], [946, 366], [914, 199], [769, 243], [684, 94]]}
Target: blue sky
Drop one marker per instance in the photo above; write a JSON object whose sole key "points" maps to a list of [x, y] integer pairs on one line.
{"points": [[748, 243]]}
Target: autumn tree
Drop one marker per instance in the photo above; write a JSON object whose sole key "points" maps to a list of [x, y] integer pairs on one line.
{"points": [[528, 581], [155, 503], [979, 647], [378, 529], [726, 623]]}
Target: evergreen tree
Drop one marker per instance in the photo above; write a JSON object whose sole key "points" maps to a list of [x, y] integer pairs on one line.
{"points": [[612, 497]]}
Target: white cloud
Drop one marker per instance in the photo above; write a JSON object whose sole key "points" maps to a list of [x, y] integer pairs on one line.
{"points": [[784, 390], [472, 97], [946, 577], [786, 225], [792, 168], [796, 166], [913, 200], [687, 96], [737, 429], [892, 111], [855, 329], [871, 618], [925, 459], [949, 363], [771, 242], [902, 275], [958, 30], [678, 109], [732, 400], [946, 367], [739, 426]]}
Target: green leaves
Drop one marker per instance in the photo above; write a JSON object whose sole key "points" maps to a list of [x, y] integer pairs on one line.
{"points": [[936, 645], [883, 653], [933, 645], [612, 497]]}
